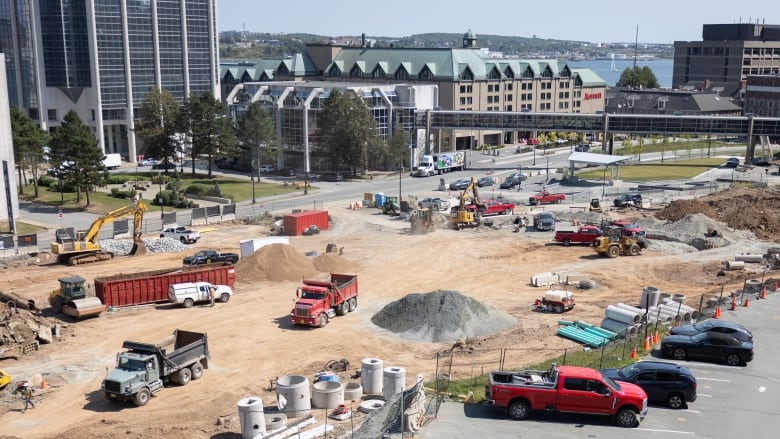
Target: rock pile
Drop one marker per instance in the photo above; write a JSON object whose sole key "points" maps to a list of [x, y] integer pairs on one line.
{"points": [[122, 247], [441, 316], [22, 330], [281, 262]]}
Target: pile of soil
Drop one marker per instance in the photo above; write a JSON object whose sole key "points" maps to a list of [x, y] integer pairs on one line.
{"points": [[275, 262], [441, 316], [332, 263], [743, 208]]}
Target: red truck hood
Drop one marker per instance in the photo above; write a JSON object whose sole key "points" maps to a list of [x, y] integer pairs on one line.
{"points": [[307, 303], [632, 390]]}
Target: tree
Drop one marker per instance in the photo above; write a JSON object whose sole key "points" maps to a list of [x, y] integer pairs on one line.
{"points": [[396, 147], [28, 141], [206, 122], [158, 123], [75, 151], [638, 77], [256, 133], [347, 130]]}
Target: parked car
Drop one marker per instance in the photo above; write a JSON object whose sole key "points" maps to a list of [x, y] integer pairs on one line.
{"points": [[147, 162], [669, 383], [707, 346], [485, 181], [714, 325], [732, 162], [629, 199], [582, 147], [267, 168], [513, 180], [164, 165], [286, 172], [331, 176], [460, 184], [761, 161], [435, 203], [544, 221]]}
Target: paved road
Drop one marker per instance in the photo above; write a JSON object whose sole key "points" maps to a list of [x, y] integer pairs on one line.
{"points": [[732, 401]]}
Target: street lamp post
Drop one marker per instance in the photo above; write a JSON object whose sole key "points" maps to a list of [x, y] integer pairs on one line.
{"points": [[160, 199], [547, 166], [534, 148]]}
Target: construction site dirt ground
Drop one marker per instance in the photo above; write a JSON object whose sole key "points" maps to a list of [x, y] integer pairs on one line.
{"points": [[252, 342]]}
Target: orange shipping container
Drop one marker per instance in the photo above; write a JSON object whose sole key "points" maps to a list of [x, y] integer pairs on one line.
{"points": [[296, 223]]}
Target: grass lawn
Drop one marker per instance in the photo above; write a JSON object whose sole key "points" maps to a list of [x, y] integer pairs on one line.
{"points": [[677, 170], [102, 202]]}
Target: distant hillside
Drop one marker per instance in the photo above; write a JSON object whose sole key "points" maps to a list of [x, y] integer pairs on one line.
{"points": [[240, 45]]}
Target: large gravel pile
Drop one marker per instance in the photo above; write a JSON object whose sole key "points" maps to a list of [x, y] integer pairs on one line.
{"points": [[441, 316], [277, 262], [122, 247]]}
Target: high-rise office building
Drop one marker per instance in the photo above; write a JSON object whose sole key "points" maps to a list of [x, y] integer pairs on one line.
{"points": [[101, 57], [727, 54]]}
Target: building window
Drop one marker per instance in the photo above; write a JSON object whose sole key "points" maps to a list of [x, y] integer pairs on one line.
{"points": [[490, 99], [462, 101], [378, 73], [356, 72], [425, 74], [334, 71], [490, 88], [52, 115], [401, 73], [467, 75], [509, 74], [469, 100], [508, 98], [494, 74], [508, 86], [507, 108]]}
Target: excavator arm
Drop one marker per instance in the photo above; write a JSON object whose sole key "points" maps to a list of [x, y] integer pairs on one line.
{"points": [[470, 189], [137, 209]]}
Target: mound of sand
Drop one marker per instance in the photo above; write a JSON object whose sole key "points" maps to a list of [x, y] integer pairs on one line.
{"points": [[332, 263], [441, 316], [276, 262]]}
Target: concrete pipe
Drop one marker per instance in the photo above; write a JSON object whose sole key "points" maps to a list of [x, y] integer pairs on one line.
{"points": [[679, 298], [655, 314], [650, 296], [752, 259], [677, 310], [327, 394], [353, 392], [394, 381], [693, 311], [371, 376], [639, 311], [292, 393], [621, 315], [251, 418], [275, 421], [669, 313], [735, 265], [619, 328]]}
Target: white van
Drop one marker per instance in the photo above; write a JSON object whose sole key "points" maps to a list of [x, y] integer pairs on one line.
{"points": [[190, 292]]}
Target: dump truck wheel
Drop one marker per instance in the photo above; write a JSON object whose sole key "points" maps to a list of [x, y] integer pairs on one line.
{"points": [[613, 251], [342, 309], [184, 376], [352, 304], [323, 320], [196, 370], [142, 397]]}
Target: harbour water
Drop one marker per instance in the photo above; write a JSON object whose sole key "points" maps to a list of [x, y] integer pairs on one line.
{"points": [[662, 69]]}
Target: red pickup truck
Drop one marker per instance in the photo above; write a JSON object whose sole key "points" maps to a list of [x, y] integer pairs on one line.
{"points": [[583, 235], [545, 197], [566, 389], [493, 207]]}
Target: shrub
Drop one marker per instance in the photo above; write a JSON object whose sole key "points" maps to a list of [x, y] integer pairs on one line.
{"points": [[197, 189], [119, 193], [45, 180]]}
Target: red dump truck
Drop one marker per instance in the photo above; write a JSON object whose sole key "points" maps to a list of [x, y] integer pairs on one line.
{"points": [[566, 389], [126, 289], [320, 300]]}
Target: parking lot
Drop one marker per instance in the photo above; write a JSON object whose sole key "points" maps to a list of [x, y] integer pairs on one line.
{"points": [[732, 401]]}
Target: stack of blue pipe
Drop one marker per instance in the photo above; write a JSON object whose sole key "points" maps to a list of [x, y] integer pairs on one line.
{"points": [[585, 333]]}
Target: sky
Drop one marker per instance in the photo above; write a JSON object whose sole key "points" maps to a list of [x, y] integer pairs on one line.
{"points": [[595, 21]]}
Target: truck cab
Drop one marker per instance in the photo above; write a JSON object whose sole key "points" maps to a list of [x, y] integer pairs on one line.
{"points": [[134, 373]]}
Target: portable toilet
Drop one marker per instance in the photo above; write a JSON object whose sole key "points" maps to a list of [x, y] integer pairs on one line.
{"points": [[379, 197]]}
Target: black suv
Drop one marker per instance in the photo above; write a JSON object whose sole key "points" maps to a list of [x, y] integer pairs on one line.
{"points": [[629, 199], [670, 383], [513, 180], [582, 147]]}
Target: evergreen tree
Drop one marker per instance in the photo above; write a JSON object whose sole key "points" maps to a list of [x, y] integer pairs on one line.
{"points": [[347, 129], [157, 125], [75, 151], [28, 141], [205, 120], [256, 134]]}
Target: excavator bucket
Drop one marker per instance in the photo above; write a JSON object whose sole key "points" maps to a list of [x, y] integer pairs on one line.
{"points": [[139, 248]]}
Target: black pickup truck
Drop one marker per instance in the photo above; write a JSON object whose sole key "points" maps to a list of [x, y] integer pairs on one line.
{"points": [[210, 257]]}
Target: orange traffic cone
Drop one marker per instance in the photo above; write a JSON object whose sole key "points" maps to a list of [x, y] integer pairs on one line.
{"points": [[733, 303], [633, 354], [747, 303], [716, 314], [646, 345], [657, 339], [775, 288], [763, 293], [43, 383]]}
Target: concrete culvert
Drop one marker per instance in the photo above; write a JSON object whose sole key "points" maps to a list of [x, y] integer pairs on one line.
{"points": [[441, 316]]}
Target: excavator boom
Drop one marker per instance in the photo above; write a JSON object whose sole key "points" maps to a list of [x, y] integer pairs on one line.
{"points": [[461, 216]]}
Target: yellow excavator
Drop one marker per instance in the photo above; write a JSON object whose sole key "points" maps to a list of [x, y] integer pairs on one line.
{"points": [[468, 212], [81, 251]]}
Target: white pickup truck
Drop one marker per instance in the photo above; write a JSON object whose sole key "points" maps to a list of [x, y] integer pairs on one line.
{"points": [[181, 233], [188, 293]]}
